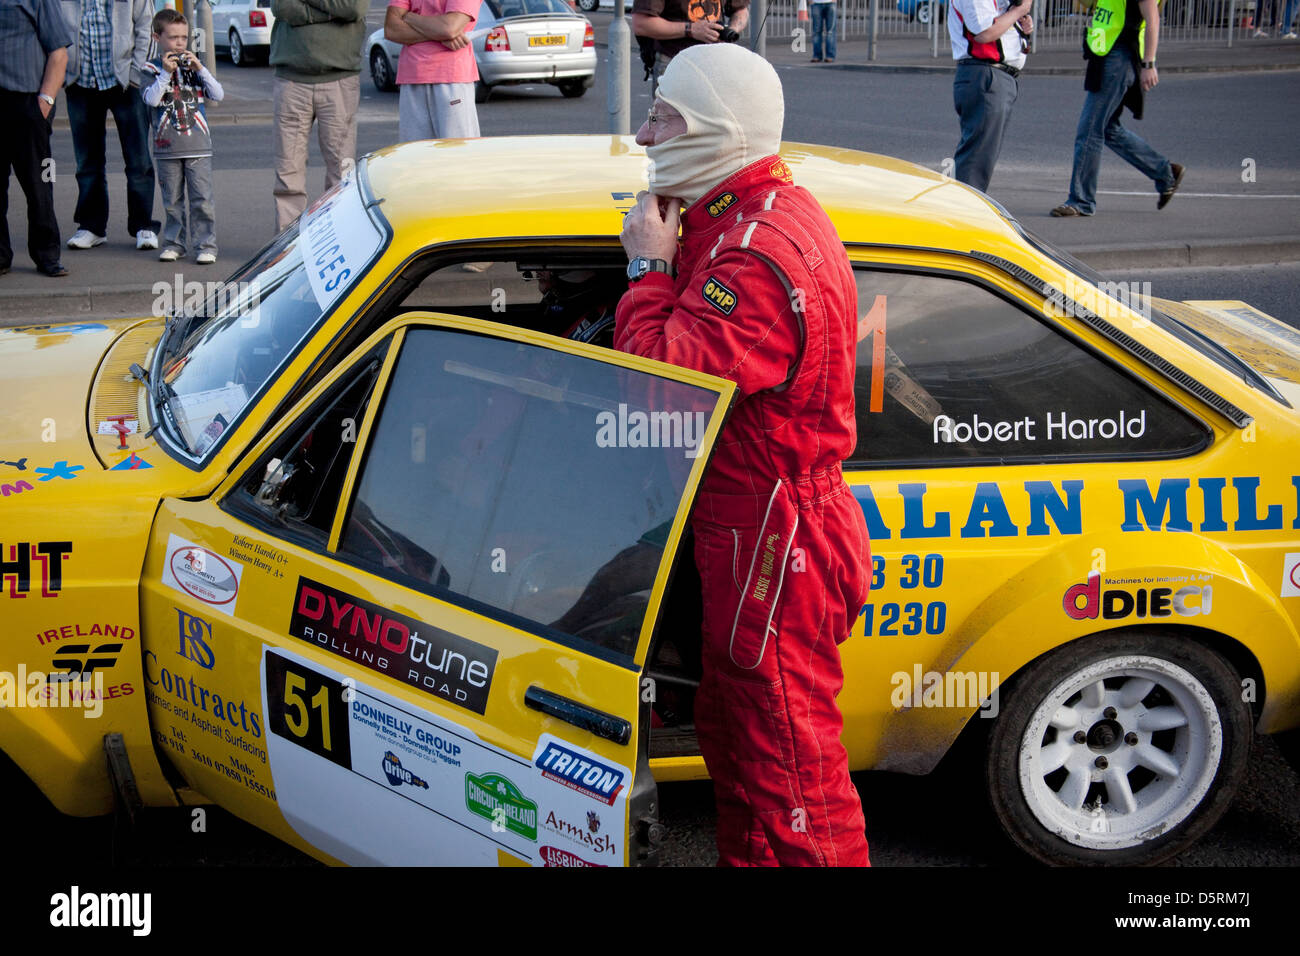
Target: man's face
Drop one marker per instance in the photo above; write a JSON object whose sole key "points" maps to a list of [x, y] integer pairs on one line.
{"points": [[661, 125], [174, 38]]}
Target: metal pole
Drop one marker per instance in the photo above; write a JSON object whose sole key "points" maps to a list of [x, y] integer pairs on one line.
{"points": [[934, 29], [871, 30], [758, 21], [1232, 21], [186, 7], [209, 47], [620, 73]]}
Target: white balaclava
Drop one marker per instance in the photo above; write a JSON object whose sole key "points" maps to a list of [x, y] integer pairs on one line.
{"points": [[734, 109]]}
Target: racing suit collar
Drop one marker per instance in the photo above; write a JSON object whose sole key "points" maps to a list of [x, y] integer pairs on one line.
{"points": [[718, 206]]}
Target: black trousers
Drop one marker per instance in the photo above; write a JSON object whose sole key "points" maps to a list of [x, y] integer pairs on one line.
{"points": [[25, 149]]}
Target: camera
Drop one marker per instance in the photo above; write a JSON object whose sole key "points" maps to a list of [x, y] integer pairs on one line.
{"points": [[728, 35]]}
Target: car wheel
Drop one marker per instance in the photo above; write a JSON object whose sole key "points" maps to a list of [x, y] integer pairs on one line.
{"points": [[1118, 749], [481, 91], [381, 71], [587, 6], [572, 89], [238, 55]]}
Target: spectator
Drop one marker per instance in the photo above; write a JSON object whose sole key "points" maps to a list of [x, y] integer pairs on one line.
{"points": [[1259, 17], [316, 52], [182, 144], [823, 22], [112, 42], [33, 56], [437, 70], [674, 25]]}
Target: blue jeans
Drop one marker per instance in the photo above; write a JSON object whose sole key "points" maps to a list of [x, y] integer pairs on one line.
{"points": [[1099, 125], [1285, 25], [176, 177], [822, 18], [87, 109]]}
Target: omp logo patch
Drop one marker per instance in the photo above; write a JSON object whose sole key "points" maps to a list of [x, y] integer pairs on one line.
{"points": [[718, 295], [719, 205]]}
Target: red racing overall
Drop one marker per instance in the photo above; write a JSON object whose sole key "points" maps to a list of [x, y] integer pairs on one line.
{"points": [[765, 296]]}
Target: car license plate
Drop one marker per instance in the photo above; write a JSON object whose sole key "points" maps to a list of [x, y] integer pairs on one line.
{"points": [[551, 40]]}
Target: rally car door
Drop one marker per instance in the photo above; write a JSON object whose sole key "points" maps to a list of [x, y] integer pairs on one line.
{"points": [[411, 626]]}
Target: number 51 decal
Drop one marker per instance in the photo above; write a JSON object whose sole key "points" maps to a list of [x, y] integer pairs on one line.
{"points": [[308, 709]]}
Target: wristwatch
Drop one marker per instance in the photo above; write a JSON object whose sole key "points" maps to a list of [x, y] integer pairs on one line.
{"points": [[640, 267], [45, 97], [1148, 64], [686, 31]]}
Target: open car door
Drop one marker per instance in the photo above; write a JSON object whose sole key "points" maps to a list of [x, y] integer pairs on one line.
{"points": [[412, 624]]}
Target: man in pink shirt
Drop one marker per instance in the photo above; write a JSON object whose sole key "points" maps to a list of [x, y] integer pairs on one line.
{"points": [[436, 72]]}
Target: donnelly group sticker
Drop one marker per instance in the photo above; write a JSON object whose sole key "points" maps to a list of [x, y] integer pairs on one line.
{"points": [[201, 574]]}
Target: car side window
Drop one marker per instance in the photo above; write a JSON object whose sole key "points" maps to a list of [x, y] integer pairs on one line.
{"points": [[511, 479], [294, 487], [948, 372]]}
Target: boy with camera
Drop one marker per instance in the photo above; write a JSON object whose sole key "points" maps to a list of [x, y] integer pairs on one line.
{"points": [[182, 143]]}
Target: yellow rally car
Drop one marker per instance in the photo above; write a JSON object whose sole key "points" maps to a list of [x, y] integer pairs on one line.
{"points": [[378, 547]]}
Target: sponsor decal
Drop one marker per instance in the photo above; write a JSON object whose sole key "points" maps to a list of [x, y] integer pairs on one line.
{"points": [[587, 835], [1056, 507], [398, 775], [195, 635], [202, 574], [718, 295], [719, 205], [16, 568], [17, 488], [582, 773], [60, 469], [1087, 600], [131, 462], [79, 662], [554, 856], [200, 700], [781, 171], [34, 689], [1060, 427], [118, 631], [20, 464], [1291, 575], [495, 798], [438, 662]]}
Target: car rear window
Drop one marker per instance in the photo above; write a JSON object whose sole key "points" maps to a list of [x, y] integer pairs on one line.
{"points": [[523, 8]]}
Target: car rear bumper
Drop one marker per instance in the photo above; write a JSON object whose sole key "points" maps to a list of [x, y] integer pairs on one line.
{"points": [[538, 68]]}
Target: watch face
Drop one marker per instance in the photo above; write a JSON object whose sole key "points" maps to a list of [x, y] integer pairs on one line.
{"points": [[638, 267]]}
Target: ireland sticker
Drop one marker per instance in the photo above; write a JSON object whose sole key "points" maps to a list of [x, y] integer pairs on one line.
{"points": [[495, 798]]}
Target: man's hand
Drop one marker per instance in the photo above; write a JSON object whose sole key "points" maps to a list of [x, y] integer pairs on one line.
{"points": [[1149, 78], [704, 31], [650, 229], [1026, 24], [45, 108], [456, 42]]}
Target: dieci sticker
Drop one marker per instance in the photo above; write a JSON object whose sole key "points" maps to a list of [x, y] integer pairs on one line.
{"points": [[202, 574], [1291, 575], [370, 779]]}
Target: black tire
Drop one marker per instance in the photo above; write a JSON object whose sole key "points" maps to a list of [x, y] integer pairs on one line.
{"points": [[381, 71], [238, 55], [587, 6], [1180, 799], [481, 92], [572, 89], [1289, 744]]}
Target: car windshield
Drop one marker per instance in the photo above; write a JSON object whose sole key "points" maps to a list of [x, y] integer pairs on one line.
{"points": [[249, 327], [525, 8]]}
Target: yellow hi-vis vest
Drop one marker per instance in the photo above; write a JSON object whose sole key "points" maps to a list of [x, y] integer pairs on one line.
{"points": [[1107, 22]]}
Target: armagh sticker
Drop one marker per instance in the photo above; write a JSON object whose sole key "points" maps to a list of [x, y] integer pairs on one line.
{"points": [[1291, 575]]}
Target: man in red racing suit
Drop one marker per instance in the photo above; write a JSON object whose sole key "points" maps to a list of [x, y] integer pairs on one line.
{"points": [[763, 295]]}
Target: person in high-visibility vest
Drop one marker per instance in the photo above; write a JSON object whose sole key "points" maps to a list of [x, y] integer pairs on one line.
{"points": [[1121, 55]]}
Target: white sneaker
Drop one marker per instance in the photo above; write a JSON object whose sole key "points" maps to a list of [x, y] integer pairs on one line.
{"points": [[169, 255], [1289, 36], [206, 258], [146, 239], [1259, 33], [85, 239]]}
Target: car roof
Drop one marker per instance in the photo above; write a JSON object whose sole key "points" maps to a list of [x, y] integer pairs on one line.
{"points": [[580, 186]]}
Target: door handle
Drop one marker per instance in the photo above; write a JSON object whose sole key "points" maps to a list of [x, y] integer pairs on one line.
{"points": [[580, 715]]}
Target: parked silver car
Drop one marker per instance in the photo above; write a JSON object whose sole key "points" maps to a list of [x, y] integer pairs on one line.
{"points": [[242, 28], [515, 41]]}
